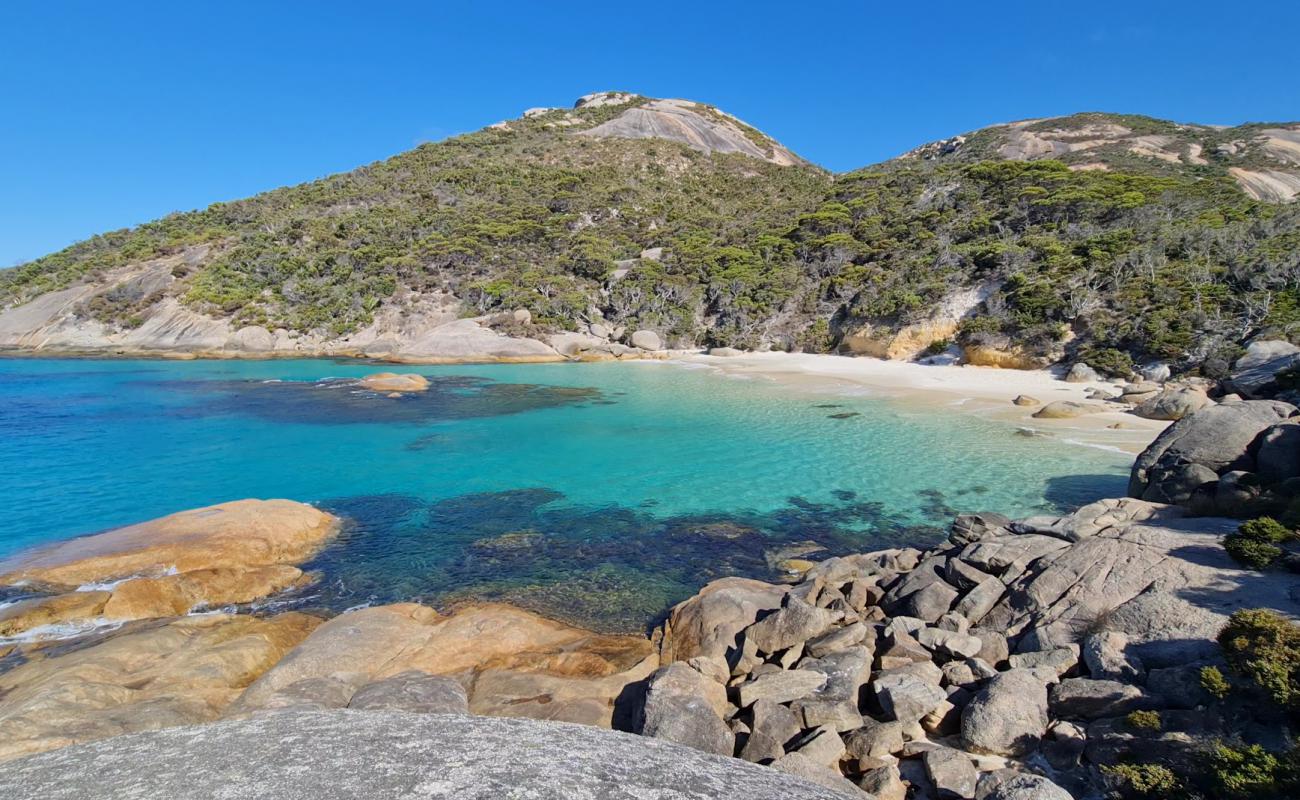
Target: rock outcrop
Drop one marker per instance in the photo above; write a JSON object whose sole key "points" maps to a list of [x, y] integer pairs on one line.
{"points": [[511, 662], [231, 553], [1210, 460], [149, 676], [701, 127], [343, 755]]}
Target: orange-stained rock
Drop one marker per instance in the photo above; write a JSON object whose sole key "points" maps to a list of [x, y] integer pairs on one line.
{"points": [[39, 612], [393, 382], [239, 535], [981, 355], [172, 595], [512, 662], [147, 676]]}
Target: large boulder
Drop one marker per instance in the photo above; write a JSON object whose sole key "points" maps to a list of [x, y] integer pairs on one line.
{"points": [[412, 691], [681, 705], [395, 382], [707, 623], [1173, 404], [148, 676], [1278, 458], [1009, 715], [1255, 373], [231, 553], [342, 755], [646, 340], [1216, 439]]}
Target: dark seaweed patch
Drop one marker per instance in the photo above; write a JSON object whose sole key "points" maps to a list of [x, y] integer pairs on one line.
{"points": [[610, 568], [337, 401]]}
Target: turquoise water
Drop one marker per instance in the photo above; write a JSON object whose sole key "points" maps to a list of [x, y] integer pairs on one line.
{"points": [[600, 493]]}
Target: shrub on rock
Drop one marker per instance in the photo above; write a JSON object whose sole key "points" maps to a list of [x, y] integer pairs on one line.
{"points": [[1255, 543], [1264, 646]]}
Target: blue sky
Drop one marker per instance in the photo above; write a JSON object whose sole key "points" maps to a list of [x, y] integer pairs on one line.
{"points": [[112, 114]]}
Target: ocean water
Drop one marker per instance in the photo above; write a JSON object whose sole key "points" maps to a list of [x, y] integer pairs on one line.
{"points": [[597, 493]]}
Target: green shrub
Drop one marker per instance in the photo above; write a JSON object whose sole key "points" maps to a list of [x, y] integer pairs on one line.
{"points": [[1264, 647], [1245, 772], [1212, 681], [1143, 720], [1109, 361], [1255, 543], [937, 346], [1142, 780]]}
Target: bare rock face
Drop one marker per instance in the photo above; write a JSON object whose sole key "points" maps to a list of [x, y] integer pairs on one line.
{"points": [[1173, 404], [1008, 716], [186, 671], [1215, 440], [515, 663], [702, 127], [236, 535], [230, 553], [680, 706], [707, 623], [341, 755]]}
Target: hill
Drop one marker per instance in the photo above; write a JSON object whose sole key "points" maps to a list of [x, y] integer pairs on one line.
{"points": [[1110, 238]]}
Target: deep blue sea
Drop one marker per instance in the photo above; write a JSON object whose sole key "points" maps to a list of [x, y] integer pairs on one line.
{"points": [[598, 493]]}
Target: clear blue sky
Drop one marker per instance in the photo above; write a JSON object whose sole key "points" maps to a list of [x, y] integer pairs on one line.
{"points": [[114, 113]]}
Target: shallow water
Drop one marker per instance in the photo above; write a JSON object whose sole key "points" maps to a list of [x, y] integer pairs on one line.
{"points": [[599, 493]]}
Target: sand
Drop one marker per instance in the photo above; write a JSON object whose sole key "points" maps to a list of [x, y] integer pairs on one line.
{"points": [[986, 391]]}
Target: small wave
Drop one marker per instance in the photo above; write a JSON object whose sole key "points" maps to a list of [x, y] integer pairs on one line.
{"points": [[108, 586], [359, 606], [1110, 448], [62, 630], [272, 380]]}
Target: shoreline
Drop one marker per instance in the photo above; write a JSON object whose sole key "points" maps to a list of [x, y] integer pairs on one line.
{"points": [[987, 392]]}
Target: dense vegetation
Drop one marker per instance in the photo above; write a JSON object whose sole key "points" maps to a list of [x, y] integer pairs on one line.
{"points": [[1146, 260]]}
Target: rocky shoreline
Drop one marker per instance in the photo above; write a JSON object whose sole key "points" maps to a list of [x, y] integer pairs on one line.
{"points": [[1007, 662]]}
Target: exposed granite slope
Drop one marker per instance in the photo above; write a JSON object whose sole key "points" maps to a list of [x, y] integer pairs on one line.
{"points": [[345, 755], [210, 557]]}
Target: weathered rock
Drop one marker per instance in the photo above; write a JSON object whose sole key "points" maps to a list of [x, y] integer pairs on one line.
{"points": [[394, 755], [979, 601], [1067, 409], [1007, 784], [150, 676], [822, 746], [1059, 660], [837, 639], [922, 593], [42, 612], [1255, 373], [1105, 655], [1177, 687], [1026, 400], [646, 340], [967, 528], [905, 697], [1085, 698], [238, 535], [875, 739], [707, 624], [320, 693], [1278, 458], [951, 772], [412, 691], [678, 708], [393, 382], [517, 663], [1082, 373], [995, 650], [1173, 404], [803, 767], [1219, 438], [1008, 716], [949, 643], [725, 352], [771, 726], [881, 779], [779, 685], [794, 623]]}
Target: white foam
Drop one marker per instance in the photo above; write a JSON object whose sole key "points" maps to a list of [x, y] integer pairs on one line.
{"points": [[1098, 446], [108, 586], [62, 630]]}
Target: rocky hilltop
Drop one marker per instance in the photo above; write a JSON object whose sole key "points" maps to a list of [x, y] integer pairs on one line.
{"points": [[1037, 659], [1115, 240]]}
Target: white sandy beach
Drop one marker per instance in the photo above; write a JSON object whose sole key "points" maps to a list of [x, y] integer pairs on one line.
{"points": [[986, 391]]}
